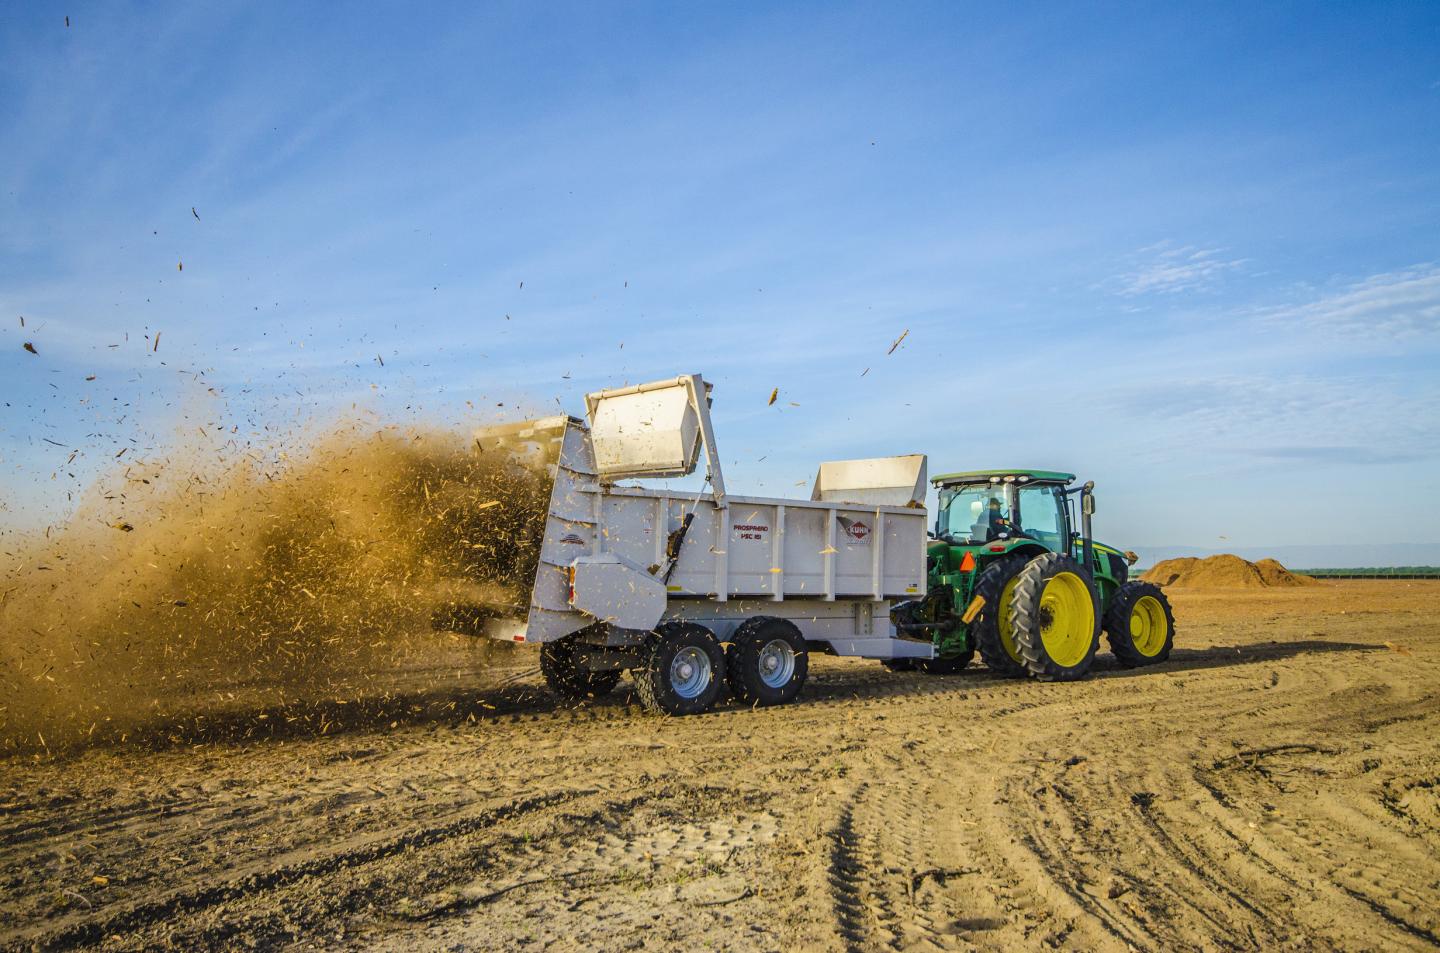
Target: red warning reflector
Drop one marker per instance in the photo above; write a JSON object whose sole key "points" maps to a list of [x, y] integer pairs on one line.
{"points": [[968, 563], [997, 549], [519, 638]]}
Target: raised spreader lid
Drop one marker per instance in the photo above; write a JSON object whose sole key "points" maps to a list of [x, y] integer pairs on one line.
{"points": [[883, 481]]}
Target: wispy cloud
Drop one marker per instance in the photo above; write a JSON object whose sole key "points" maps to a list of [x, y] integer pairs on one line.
{"points": [[1295, 417], [1394, 304], [1167, 268]]}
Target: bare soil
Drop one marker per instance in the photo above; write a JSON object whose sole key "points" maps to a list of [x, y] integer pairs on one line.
{"points": [[1276, 785]]}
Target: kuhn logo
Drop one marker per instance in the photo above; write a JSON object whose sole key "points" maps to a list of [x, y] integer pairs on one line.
{"points": [[572, 539], [855, 529]]}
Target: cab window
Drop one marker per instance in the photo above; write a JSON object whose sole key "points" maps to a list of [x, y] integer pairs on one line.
{"points": [[1040, 514], [974, 514]]}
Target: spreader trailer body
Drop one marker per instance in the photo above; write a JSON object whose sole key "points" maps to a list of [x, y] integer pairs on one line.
{"points": [[696, 591]]}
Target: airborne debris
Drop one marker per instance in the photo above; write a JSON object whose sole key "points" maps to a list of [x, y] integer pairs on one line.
{"points": [[773, 394], [194, 213], [319, 576], [30, 347], [903, 335]]}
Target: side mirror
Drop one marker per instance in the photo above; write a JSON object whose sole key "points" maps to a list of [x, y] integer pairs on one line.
{"points": [[1087, 504]]}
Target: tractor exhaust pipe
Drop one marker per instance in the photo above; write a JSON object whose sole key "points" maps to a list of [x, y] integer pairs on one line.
{"points": [[1087, 510]]}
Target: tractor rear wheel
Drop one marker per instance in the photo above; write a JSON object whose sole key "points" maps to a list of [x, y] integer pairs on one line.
{"points": [[1055, 614], [767, 663], [1139, 625], [566, 678], [992, 628], [682, 669]]}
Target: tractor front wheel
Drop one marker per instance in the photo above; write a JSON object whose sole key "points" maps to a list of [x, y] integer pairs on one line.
{"points": [[1139, 625], [1055, 615]]}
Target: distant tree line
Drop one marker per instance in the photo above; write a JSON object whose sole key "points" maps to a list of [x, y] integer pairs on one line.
{"points": [[1374, 572]]}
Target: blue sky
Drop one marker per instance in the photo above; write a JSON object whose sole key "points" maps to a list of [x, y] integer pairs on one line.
{"points": [[1190, 252]]}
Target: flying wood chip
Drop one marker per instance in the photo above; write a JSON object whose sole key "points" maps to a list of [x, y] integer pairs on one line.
{"points": [[773, 394], [123, 527], [30, 347], [903, 335]]}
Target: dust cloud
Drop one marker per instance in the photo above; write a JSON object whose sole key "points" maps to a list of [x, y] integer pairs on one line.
{"points": [[184, 585]]}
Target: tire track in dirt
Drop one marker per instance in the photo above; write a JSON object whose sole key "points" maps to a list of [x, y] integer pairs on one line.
{"points": [[1274, 795], [1232, 890], [192, 900]]}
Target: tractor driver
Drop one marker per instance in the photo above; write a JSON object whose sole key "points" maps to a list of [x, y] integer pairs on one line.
{"points": [[996, 523]]}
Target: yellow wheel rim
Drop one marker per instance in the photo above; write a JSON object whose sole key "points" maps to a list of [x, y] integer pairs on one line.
{"points": [[1004, 622], [1148, 628], [1067, 619]]}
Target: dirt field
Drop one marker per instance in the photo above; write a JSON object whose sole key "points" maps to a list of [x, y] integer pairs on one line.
{"points": [[1276, 785]]}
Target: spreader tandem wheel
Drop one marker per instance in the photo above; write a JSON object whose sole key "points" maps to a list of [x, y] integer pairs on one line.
{"points": [[1139, 625], [683, 669], [568, 680], [1055, 614], [767, 663]]}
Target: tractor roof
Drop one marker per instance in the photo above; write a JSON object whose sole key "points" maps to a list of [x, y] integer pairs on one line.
{"points": [[983, 476]]}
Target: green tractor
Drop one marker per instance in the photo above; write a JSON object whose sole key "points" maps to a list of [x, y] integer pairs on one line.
{"points": [[1012, 578]]}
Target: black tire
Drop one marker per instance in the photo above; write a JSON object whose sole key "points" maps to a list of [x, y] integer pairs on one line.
{"points": [[755, 650], [985, 630], [655, 678], [1132, 600], [1055, 596], [946, 666], [565, 678], [899, 664]]}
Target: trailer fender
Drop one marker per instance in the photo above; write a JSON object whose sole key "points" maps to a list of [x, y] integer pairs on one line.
{"points": [[615, 590]]}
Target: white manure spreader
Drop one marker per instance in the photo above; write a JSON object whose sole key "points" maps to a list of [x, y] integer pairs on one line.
{"points": [[694, 592]]}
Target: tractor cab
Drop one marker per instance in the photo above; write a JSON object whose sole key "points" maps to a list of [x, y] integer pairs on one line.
{"points": [[1005, 506]]}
